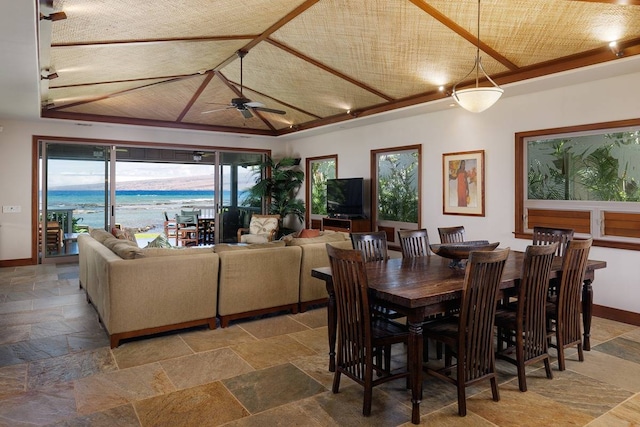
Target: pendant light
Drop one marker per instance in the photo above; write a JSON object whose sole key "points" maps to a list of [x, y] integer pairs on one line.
{"points": [[477, 99]]}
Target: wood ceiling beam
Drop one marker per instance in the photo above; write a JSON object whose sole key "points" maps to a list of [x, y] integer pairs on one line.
{"points": [[195, 96], [618, 2], [272, 29], [158, 41], [329, 69], [473, 39]]}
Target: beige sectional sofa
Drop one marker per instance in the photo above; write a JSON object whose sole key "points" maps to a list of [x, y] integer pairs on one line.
{"points": [[140, 291]]}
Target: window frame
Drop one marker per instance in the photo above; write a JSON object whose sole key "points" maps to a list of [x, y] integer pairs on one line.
{"points": [[391, 227], [309, 184], [572, 211]]}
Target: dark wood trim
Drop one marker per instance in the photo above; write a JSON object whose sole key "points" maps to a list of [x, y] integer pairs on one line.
{"points": [[225, 319], [307, 187], [159, 40], [16, 262], [616, 314], [35, 232], [195, 96], [114, 339], [626, 2], [305, 305], [520, 168], [373, 172]]}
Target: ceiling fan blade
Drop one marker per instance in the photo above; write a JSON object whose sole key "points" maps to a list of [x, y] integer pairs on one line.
{"points": [[246, 112], [217, 109], [269, 110]]}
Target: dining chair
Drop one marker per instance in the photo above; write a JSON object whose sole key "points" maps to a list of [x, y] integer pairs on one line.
{"points": [[525, 329], [186, 230], [469, 336], [414, 243], [547, 236], [372, 245], [361, 336], [563, 312], [451, 234]]}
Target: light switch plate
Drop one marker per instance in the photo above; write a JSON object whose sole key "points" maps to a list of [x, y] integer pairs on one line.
{"points": [[11, 209]]}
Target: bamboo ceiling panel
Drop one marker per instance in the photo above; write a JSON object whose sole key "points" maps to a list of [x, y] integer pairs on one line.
{"points": [[165, 63], [533, 31], [159, 102], [72, 94], [108, 63], [109, 20], [289, 79]]}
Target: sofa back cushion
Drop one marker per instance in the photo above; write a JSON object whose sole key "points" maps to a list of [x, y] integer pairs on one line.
{"points": [[150, 252], [323, 238], [224, 247]]}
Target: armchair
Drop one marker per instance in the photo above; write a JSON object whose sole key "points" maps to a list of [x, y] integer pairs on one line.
{"points": [[262, 229]]}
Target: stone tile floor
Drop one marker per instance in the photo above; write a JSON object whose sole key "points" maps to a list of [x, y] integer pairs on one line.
{"points": [[56, 368]]}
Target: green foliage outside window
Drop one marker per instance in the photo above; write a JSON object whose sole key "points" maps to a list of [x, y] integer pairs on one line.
{"points": [[604, 167], [398, 187], [321, 171]]}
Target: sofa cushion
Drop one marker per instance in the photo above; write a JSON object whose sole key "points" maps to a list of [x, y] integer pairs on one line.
{"points": [[308, 233], [324, 238], [159, 242], [224, 247], [150, 252], [125, 234], [99, 234], [125, 250]]}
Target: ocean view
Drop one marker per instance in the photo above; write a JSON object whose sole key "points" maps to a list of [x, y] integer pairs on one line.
{"points": [[143, 209]]}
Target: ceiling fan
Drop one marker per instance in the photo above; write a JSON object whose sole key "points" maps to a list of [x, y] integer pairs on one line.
{"points": [[245, 105]]}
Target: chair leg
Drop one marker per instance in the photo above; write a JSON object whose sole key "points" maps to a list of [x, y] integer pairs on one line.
{"points": [[336, 382], [387, 359], [547, 368], [522, 379], [494, 389], [368, 397], [580, 353], [560, 348], [462, 399]]}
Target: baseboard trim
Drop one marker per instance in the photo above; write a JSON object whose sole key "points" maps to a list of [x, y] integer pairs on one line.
{"points": [[16, 262], [616, 314]]}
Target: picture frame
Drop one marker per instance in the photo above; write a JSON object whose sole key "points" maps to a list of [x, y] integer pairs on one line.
{"points": [[463, 183]]}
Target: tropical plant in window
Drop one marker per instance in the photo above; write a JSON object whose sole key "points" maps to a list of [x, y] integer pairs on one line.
{"points": [[321, 171], [585, 168], [398, 187]]}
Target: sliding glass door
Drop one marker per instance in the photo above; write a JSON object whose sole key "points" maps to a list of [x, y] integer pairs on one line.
{"points": [[74, 194], [143, 189]]}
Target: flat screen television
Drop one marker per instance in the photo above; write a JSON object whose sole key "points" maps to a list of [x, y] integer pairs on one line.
{"points": [[345, 197]]}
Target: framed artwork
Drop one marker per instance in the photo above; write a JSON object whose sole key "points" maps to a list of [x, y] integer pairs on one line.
{"points": [[463, 183]]}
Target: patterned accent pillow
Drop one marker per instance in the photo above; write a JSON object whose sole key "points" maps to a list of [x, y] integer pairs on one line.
{"points": [[125, 234], [159, 242], [262, 225], [308, 233]]}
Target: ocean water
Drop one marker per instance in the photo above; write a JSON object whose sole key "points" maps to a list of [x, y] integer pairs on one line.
{"points": [[143, 209]]}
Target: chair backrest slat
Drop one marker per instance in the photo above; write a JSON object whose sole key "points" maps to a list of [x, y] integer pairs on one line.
{"points": [[373, 245], [451, 234], [568, 304], [547, 235], [477, 312], [352, 306], [532, 298], [414, 243]]}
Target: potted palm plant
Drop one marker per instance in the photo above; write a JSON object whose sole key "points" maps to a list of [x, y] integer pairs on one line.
{"points": [[280, 188]]}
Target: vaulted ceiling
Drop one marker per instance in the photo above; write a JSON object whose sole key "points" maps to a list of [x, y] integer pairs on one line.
{"points": [[321, 61]]}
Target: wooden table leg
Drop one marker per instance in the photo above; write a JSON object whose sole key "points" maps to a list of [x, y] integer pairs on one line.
{"points": [[587, 307], [415, 349], [332, 325]]}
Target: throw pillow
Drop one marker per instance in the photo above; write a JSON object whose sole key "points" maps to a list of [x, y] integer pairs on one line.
{"points": [[308, 232], [159, 242], [125, 234], [99, 234]]}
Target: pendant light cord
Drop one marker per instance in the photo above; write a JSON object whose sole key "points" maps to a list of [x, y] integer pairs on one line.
{"points": [[478, 48]]}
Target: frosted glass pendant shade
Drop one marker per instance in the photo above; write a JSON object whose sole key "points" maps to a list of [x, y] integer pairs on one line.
{"points": [[477, 99]]}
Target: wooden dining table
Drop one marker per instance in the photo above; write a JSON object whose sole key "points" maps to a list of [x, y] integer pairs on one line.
{"points": [[419, 287]]}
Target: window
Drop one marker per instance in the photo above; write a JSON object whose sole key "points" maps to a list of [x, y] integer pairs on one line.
{"points": [[396, 191], [319, 170], [586, 178]]}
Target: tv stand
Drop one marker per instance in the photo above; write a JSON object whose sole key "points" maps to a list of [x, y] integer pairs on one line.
{"points": [[346, 225]]}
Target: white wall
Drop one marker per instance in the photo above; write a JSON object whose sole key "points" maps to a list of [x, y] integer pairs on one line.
{"points": [[15, 164], [441, 132], [455, 130]]}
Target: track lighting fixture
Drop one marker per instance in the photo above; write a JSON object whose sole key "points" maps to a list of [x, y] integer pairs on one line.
{"points": [[615, 49]]}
